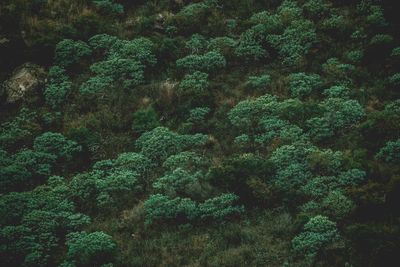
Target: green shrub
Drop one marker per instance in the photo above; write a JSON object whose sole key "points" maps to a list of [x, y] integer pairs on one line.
{"points": [[209, 62], [128, 72], [295, 42], [336, 205], [259, 82], [194, 84], [220, 208], [395, 79], [108, 7], [224, 45], [396, 52], [102, 42], [337, 91], [319, 232], [196, 44], [57, 89], [249, 47], [56, 144], [138, 49], [316, 9], [69, 52], [197, 115], [160, 143], [390, 153], [94, 248], [160, 208], [302, 84], [20, 130], [186, 160], [145, 120], [179, 182]]}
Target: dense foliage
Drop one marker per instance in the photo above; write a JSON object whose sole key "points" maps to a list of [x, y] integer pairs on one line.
{"points": [[200, 133]]}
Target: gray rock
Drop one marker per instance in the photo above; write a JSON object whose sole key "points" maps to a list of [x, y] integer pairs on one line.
{"points": [[24, 82]]}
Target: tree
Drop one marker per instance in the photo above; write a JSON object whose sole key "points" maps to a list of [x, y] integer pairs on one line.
{"points": [[24, 169], [336, 205], [145, 120], [138, 49], [394, 79], [194, 84], [302, 84], [160, 143], [246, 113], [220, 208], [337, 71], [295, 42], [197, 115], [179, 182], [390, 153], [319, 232], [102, 42], [209, 62], [395, 52], [69, 52], [108, 7], [106, 188], [58, 87], [338, 91], [160, 208], [224, 45], [20, 130], [86, 249], [56, 144], [96, 85], [339, 115], [249, 47], [290, 179], [133, 161], [259, 82], [128, 72], [197, 43], [186, 160], [316, 9]]}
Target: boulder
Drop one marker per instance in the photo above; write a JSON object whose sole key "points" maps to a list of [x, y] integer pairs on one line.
{"points": [[24, 82]]}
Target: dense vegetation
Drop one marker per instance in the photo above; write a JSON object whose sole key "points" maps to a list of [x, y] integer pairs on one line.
{"points": [[201, 133]]}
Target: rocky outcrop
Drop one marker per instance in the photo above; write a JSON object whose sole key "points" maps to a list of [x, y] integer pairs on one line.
{"points": [[24, 82]]}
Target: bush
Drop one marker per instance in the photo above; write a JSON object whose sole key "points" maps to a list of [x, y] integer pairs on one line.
{"points": [[395, 79], [108, 7], [128, 72], [319, 232], [196, 44], [259, 82], [220, 208], [69, 52], [337, 206], [56, 144], [197, 115], [390, 153], [337, 91], [86, 249], [295, 42], [316, 9], [249, 47], [102, 42], [160, 143], [209, 62], [58, 87], [145, 120], [302, 84], [194, 84]]}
